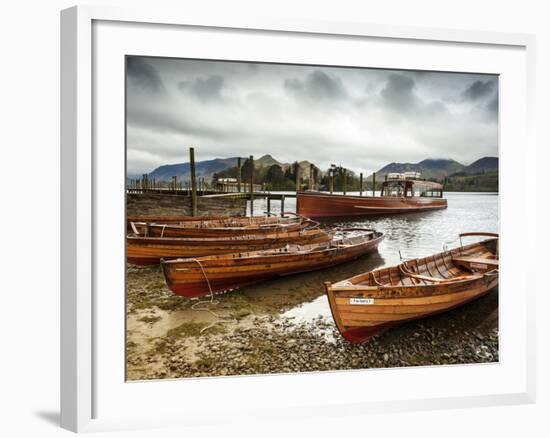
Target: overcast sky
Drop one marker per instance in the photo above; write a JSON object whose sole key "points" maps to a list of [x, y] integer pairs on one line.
{"points": [[362, 119]]}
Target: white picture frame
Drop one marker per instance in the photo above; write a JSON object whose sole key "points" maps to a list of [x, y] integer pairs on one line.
{"points": [[87, 377]]}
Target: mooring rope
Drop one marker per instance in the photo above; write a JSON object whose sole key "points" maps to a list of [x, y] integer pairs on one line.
{"points": [[212, 302]]}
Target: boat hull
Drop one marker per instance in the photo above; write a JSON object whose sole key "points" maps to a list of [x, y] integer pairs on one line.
{"points": [[150, 250], [322, 205], [201, 221], [167, 230], [203, 276], [370, 303], [389, 312]]}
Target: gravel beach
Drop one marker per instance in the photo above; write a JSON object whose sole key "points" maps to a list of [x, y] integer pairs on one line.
{"points": [[284, 326]]}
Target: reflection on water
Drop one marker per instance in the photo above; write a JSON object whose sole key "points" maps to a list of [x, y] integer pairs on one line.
{"points": [[414, 234]]}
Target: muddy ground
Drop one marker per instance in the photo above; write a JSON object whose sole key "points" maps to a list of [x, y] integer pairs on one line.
{"points": [[283, 326]]}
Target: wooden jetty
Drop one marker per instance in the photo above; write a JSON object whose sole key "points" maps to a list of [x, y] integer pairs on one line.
{"points": [[196, 188]]}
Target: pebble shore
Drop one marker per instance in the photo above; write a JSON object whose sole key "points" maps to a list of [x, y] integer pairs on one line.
{"points": [[245, 332]]}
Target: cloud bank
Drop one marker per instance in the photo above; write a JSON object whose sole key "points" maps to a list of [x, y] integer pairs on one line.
{"points": [[360, 118]]}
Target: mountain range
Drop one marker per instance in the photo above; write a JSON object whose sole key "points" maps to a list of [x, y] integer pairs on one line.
{"points": [[429, 168], [441, 168], [202, 169], [208, 168]]}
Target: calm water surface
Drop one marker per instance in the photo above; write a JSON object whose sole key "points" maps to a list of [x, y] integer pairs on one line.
{"points": [[414, 234]]}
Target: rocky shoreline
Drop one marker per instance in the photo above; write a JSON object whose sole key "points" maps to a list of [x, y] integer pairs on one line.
{"points": [[248, 332]]}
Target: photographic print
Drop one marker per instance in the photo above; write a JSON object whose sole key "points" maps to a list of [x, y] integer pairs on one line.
{"points": [[287, 218]]}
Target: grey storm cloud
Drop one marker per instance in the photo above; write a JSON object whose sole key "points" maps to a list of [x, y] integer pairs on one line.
{"points": [[317, 85], [399, 92], [361, 118], [492, 105], [143, 75], [399, 95], [159, 122], [479, 90], [209, 88]]}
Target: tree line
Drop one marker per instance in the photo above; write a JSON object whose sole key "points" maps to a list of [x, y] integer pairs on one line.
{"points": [[274, 177]]}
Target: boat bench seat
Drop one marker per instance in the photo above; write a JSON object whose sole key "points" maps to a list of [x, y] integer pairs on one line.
{"points": [[465, 260], [426, 278], [440, 280]]}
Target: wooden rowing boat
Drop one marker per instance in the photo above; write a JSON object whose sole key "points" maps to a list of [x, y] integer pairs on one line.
{"points": [[194, 277], [176, 219], [149, 250], [400, 195], [369, 303], [217, 228], [136, 224]]}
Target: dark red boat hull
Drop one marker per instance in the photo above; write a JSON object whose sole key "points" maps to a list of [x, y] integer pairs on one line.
{"points": [[320, 205]]}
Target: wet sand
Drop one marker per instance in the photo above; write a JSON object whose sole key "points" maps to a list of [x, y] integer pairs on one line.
{"points": [[284, 325]]}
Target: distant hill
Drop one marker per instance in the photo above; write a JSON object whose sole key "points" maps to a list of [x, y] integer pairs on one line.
{"points": [[429, 168], [479, 182], [267, 161], [305, 167], [207, 168], [481, 175], [483, 165], [202, 168]]}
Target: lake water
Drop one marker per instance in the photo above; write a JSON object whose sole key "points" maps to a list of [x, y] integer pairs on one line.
{"points": [[414, 234]]}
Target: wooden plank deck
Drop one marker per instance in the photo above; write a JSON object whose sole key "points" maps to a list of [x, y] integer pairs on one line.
{"points": [[247, 195]]}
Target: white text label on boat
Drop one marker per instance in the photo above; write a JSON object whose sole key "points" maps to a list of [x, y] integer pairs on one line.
{"points": [[361, 301]]}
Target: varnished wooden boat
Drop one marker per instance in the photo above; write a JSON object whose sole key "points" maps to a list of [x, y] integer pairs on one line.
{"points": [[177, 219], [137, 223], [217, 228], [213, 274], [400, 195], [369, 303], [149, 250]]}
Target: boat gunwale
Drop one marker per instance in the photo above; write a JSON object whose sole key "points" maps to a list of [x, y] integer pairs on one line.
{"points": [[349, 282], [138, 239], [348, 196], [278, 252]]}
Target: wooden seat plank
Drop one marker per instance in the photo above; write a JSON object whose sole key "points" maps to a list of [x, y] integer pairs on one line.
{"points": [[477, 260]]}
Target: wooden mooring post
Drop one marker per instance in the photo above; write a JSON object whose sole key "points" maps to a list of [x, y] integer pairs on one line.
{"points": [[282, 205], [297, 170], [345, 182], [193, 182], [361, 184], [331, 180], [239, 174], [311, 177], [268, 205], [373, 183], [251, 185]]}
